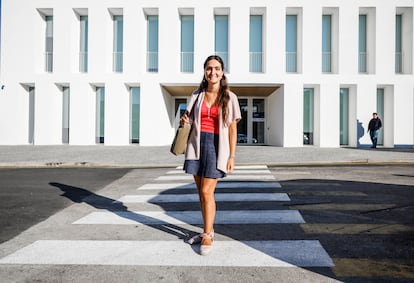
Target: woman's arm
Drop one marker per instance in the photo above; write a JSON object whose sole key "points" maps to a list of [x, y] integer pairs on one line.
{"points": [[232, 142]]}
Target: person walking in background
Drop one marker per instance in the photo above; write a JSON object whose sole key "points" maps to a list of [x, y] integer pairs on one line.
{"points": [[211, 146], [374, 126]]}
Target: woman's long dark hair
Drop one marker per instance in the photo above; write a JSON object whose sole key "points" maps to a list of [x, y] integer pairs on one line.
{"points": [[224, 97]]}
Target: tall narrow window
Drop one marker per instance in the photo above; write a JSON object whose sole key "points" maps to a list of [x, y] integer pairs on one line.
{"points": [[404, 40], [135, 103], [398, 45], [344, 116], [83, 48], [308, 115], [118, 43], [362, 45], [152, 43], [326, 43], [100, 115], [221, 38], [49, 44], [380, 111], [256, 43], [291, 43], [31, 115], [187, 43], [367, 40], [65, 114]]}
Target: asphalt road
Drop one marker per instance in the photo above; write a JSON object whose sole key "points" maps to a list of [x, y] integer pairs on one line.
{"points": [[363, 217], [28, 196]]}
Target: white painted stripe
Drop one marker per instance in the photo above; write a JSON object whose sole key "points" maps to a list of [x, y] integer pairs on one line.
{"points": [[293, 172], [242, 167], [235, 172], [176, 172], [219, 197], [303, 253], [229, 177], [220, 185], [167, 186], [191, 217], [238, 167]]}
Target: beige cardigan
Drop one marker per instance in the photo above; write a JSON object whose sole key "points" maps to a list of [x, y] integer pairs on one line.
{"points": [[193, 145]]}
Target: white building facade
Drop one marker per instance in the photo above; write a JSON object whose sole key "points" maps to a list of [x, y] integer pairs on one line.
{"points": [[117, 72]]}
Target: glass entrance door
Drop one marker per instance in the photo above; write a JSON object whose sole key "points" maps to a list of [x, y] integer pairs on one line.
{"points": [[242, 129], [250, 129], [258, 114]]}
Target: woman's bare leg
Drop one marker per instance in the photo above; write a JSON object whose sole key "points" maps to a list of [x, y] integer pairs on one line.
{"points": [[198, 180], [208, 205]]}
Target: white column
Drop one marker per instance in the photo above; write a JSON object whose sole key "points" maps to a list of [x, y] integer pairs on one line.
{"points": [[116, 114], [203, 33], [293, 114], [329, 115], [275, 39], [48, 113], [366, 105], [156, 124], [312, 38], [82, 113], [385, 39], [239, 40], [100, 43], [348, 37], [134, 40], [403, 123], [275, 117]]}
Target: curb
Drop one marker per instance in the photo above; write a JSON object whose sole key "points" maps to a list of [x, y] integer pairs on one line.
{"points": [[155, 166]]}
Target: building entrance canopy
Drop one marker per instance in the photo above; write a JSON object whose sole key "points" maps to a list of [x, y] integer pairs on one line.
{"points": [[241, 90]]}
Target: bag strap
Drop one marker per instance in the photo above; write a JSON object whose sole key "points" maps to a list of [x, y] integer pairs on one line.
{"points": [[191, 105]]}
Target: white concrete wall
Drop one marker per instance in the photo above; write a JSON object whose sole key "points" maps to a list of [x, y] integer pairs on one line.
{"points": [[275, 118], [82, 101], [22, 64], [352, 116], [403, 114], [329, 115], [293, 114]]}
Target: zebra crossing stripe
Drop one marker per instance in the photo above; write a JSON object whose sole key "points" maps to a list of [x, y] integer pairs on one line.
{"points": [[191, 217], [220, 185], [235, 172], [228, 178], [239, 167], [303, 253], [219, 197]]}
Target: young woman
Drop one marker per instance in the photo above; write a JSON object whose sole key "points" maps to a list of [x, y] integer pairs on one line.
{"points": [[211, 146]]}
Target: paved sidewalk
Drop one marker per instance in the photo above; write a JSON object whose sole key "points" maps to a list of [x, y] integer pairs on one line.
{"points": [[141, 156]]}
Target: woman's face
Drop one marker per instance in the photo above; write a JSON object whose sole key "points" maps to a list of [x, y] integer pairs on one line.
{"points": [[213, 72]]}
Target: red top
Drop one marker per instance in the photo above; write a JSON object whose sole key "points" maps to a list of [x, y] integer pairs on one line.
{"points": [[210, 118]]}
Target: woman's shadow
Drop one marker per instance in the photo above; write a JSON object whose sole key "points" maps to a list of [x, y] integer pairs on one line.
{"points": [[80, 195]]}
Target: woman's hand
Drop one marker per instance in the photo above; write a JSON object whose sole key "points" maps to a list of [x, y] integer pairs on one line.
{"points": [[232, 143], [184, 119]]}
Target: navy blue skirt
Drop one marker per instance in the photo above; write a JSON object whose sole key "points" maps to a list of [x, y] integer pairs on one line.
{"points": [[206, 166]]}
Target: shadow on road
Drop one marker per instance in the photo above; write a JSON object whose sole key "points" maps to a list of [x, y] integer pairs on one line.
{"points": [[80, 195]]}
